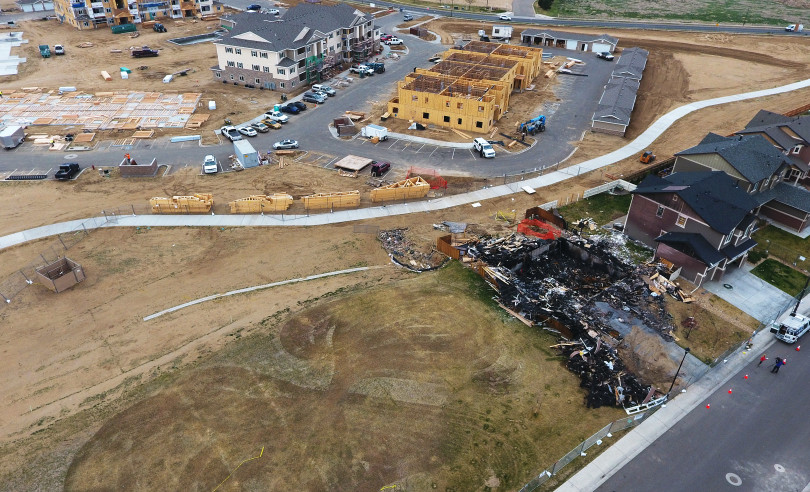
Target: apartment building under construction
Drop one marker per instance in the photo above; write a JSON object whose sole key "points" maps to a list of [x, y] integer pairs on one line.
{"points": [[469, 89], [90, 14]]}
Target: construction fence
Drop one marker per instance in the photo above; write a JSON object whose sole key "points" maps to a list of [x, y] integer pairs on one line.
{"points": [[596, 439]]}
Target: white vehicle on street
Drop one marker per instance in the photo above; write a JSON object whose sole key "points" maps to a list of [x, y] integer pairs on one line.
{"points": [[231, 133], [273, 11], [286, 144], [483, 148], [210, 165], [504, 17], [248, 131], [276, 116]]}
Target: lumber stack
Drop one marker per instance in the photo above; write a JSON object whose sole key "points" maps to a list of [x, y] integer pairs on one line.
{"points": [[339, 199], [199, 203], [254, 204], [415, 187]]}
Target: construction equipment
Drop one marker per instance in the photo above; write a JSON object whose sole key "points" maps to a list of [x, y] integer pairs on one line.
{"points": [[45, 51], [795, 325], [647, 157], [534, 125]]}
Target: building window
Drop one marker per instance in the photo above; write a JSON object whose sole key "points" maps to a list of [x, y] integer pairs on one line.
{"points": [[293, 84], [258, 81], [266, 69], [256, 67], [280, 71], [231, 64], [292, 69], [228, 50], [300, 51], [231, 76], [447, 119], [459, 105], [459, 121], [728, 238], [242, 78], [414, 98], [426, 116], [218, 74], [480, 109], [797, 149], [660, 212], [238, 51], [263, 54], [282, 85], [479, 124], [427, 99], [681, 222], [254, 54], [239, 65], [108, 10], [447, 104]]}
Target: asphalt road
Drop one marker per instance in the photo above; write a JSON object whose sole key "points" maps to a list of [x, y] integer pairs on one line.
{"points": [[755, 439]]}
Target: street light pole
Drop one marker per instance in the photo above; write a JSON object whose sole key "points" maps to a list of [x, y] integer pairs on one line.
{"points": [[685, 352]]}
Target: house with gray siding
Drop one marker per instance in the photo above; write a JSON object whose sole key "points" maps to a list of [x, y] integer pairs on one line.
{"points": [[569, 40], [619, 97]]}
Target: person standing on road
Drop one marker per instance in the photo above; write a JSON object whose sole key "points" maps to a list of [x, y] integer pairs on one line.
{"points": [[762, 359], [779, 363]]}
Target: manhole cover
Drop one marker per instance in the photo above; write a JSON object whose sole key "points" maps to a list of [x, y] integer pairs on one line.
{"points": [[728, 286], [71, 156]]}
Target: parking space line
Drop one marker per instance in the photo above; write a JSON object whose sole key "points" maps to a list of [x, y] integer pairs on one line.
{"points": [[420, 148], [393, 143], [453, 155], [434, 150]]}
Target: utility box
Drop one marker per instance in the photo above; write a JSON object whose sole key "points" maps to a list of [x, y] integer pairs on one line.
{"points": [[245, 154], [371, 131], [502, 32], [11, 136]]}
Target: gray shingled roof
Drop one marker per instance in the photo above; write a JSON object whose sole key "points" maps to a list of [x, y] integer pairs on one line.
{"points": [[754, 157], [632, 63], [713, 195], [694, 245], [792, 196], [298, 27], [772, 124], [549, 33], [617, 101]]}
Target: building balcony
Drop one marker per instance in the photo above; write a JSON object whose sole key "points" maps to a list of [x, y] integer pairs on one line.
{"points": [[78, 5], [97, 5]]}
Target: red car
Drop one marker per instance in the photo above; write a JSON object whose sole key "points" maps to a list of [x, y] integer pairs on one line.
{"points": [[385, 37]]}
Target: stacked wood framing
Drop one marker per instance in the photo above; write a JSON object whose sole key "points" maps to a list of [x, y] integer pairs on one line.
{"points": [[254, 204], [340, 199], [415, 187], [469, 89], [199, 203]]}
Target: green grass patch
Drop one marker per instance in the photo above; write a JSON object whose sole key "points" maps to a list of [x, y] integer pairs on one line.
{"points": [[782, 245], [602, 208], [780, 276]]}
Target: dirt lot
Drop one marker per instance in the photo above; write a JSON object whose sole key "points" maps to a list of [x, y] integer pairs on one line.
{"points": [[97, 349]]}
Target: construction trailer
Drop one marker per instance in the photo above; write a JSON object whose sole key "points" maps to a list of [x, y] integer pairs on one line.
{"points": [[245, 154], [199, 203], [339, 199], [469, 89], [60, 275], [415, 187], [255, 204], [12, 136]]}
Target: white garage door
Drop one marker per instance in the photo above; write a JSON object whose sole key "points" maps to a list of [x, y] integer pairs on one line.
{"points": [[599, 47]]}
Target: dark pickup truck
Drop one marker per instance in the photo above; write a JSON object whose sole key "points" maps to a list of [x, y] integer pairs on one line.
{"points": [[144, 52], [68, 170]]}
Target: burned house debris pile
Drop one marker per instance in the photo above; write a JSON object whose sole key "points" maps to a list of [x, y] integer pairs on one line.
{"points": [[567, 285], [406, 253]]}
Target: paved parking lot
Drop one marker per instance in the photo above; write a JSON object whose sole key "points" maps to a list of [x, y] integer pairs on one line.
{"points": [[424, 150]]}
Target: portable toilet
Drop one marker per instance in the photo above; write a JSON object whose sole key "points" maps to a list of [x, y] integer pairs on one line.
{"points": [[245, 154]]}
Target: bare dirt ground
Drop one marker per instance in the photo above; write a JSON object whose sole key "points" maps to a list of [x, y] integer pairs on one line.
{"points": [[93, 351]]}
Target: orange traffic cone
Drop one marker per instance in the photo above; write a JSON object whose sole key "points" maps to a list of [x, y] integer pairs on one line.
{"points": [[799, 347]]}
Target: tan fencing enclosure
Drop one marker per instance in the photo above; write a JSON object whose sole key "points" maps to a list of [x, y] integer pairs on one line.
{"points": [[60, 275], [255, 204], [199, 203], [407, 188]]}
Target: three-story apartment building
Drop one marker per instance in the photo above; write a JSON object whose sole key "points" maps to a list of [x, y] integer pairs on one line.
{"points": [[89, 14], [309, 43]]}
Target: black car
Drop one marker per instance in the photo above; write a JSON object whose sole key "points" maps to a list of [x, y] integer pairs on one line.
{"points": [[254, 7], [379, 168], [299, 105], [290, 108]]}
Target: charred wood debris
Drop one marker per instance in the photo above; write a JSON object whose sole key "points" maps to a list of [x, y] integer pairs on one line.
{"points": [[407, 254], [556, 284]]}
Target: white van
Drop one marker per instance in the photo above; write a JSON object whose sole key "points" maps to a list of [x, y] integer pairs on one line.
{"points": [[483, 148]]}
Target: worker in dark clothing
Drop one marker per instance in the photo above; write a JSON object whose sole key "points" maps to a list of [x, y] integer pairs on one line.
{"points": [[779, 363]]}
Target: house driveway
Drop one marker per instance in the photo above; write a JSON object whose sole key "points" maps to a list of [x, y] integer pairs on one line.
{"points": [[750, 294]]}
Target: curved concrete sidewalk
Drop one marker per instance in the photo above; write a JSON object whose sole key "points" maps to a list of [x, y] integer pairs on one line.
{"points": [[635, 147]]}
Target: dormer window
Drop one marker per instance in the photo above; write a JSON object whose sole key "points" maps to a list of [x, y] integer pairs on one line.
{"points": [[796, 149]]}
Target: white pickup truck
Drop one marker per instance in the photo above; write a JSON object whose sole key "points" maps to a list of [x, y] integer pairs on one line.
{"points": [[210, 165]]}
